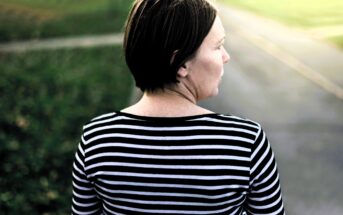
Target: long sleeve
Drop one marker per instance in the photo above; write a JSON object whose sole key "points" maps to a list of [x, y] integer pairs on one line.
{"points": [[265, 191], [84, 199]]}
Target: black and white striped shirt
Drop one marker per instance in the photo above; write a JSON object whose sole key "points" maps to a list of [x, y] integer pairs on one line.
{"points": [[205, 164]]}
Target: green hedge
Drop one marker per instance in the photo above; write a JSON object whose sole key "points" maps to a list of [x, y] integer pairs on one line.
{"points": [[35, 19], [45, 98]]}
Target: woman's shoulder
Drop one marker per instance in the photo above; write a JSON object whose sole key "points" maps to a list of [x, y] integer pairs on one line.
{"points": [[220, 118], [229, 118], [210, 118], [239, 123], [98, 121]]}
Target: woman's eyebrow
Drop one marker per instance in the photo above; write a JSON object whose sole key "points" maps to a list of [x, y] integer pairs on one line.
{"points": [[221, 40]]}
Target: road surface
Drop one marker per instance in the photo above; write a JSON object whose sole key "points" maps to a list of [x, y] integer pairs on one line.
{"points": [[303, 120]]}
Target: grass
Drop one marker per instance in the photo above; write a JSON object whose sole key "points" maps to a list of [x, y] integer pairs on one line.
{"points": [[305, 13], [337, 40], [301, 13], [45, 97], [35, 19]]}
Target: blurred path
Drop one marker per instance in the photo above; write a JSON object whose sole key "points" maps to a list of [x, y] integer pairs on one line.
{"points": [[65, 42], [264, 81]]}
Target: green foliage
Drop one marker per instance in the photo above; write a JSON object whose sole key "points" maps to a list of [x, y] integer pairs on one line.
{"points": [[338, 41], [22, 19], [45, 98], [306, 13]]}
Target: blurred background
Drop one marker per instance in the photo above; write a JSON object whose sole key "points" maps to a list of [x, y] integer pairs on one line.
{"points": [[47, 94], [60, 65]]}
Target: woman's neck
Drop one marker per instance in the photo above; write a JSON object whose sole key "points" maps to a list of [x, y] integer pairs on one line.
{"points": [[171, 95], [168, 103]]}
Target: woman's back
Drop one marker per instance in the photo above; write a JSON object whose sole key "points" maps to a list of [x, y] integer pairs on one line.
{"points": [[165, 154], [204, 164]]}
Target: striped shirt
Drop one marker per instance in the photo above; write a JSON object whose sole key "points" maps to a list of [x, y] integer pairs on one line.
{"points": [[205, 164]]}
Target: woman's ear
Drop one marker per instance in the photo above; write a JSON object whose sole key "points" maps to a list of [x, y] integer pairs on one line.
{"points": [[182, 72]]}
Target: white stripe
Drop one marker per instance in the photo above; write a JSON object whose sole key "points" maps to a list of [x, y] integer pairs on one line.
{"points": [[170, 202], [234, 117], [168, 157], [115, 117], [268, 187], [280, 209], [82, 188], [83, 204], [258, 147], [267, 197], [80, 148], [266, 166], [79, 161], [226, 122], [183, 128], [161, 147], [83, 196], [236, 210], [169, 194], [148, 175], [260, 159], [79, 179], [110, 211], [266, 206], [262, 171], [183, 186], [78, 170], [266, 178], [177, 203], [167, 211], [154, 166], [83, 213], [190, 137], [104, 115]]}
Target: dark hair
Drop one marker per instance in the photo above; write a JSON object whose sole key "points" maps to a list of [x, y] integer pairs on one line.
{"points": [[161, 35]]}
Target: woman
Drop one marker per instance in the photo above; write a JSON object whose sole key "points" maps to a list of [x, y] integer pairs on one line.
{"points": [[165, 154]]}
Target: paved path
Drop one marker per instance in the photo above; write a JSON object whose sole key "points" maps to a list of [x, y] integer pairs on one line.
{"points": [[68, 42], [264, 81]]}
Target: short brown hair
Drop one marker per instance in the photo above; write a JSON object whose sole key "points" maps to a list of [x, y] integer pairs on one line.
{"points": [[161, 35]]}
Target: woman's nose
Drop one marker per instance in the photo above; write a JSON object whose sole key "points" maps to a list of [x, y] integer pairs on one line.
{"points": [[226, 56]]}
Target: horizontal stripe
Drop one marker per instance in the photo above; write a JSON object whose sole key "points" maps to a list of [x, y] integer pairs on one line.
{"points": [[83, 204], [103, 121], [154, 166], [169, 157], [168, 211], [164, 194], [84, 196], [148, 128], [194, 177], [267, 197], [226, 121], [266, 206], [172, 203], [161, 147], [169, 138], [184, 186], [82, 212]]}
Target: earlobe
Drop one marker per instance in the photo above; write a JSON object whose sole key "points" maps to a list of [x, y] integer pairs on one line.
{"points": [[182, 72]]}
